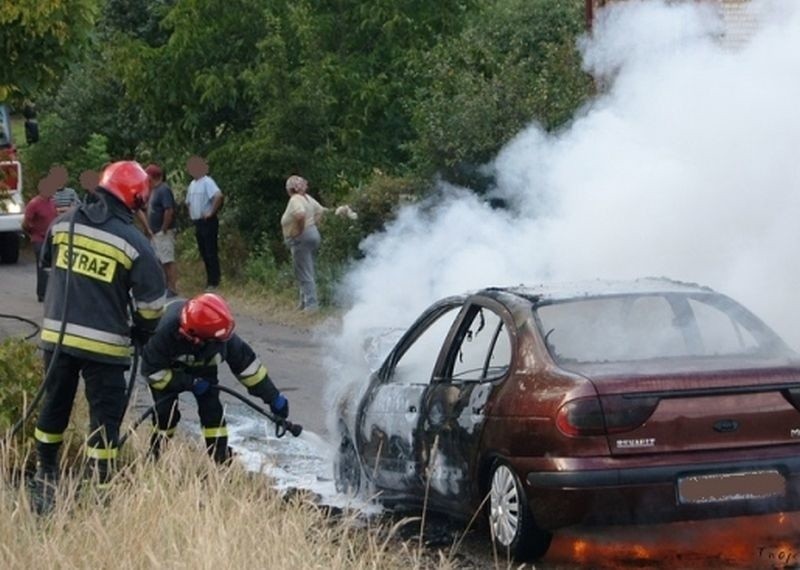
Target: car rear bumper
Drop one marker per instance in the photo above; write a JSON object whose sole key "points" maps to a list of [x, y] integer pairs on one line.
{"points": [[11, 222], [654, 475], [628, 495]]}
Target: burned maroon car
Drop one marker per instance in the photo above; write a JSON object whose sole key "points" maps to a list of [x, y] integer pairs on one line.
{"points": [[597, 402]]}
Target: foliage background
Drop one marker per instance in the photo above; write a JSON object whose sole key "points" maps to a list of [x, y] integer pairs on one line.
{"points": [[372, 102], [20, 376]]}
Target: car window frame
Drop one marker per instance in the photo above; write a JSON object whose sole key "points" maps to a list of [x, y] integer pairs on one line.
{"points": [[417, 329], [444, 370]]}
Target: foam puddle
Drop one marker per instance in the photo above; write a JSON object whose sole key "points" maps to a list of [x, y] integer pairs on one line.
{"points": [[294, 463]]}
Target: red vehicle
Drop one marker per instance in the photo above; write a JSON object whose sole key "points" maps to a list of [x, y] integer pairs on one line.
{"points": [[11, 204], [598, 402]]}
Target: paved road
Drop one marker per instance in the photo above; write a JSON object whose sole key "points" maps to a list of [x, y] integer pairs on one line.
{"points": [[291, 354]]}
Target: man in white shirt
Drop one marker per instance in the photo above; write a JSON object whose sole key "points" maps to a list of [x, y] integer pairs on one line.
{"points": [[204, 200]]}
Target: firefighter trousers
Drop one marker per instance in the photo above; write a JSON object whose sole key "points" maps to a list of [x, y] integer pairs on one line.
{"points": [[105, 387], [212, 420]]}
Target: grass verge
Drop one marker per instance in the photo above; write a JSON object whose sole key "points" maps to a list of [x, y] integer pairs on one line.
{"points": [[186, 512]]}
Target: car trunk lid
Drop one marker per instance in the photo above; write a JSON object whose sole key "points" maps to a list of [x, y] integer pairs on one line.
{"points": [[702, 404]]}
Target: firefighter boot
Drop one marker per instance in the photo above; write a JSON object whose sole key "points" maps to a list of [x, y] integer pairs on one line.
{"points": [[218, 450], [97, 480], [45, 481]]}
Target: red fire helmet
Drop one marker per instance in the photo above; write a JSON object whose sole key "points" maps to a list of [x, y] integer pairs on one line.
{"points": [[128, 181], [206, 317]]}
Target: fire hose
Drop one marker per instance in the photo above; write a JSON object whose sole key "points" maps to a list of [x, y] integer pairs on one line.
{"points": [[35, 325], [282, 425]]}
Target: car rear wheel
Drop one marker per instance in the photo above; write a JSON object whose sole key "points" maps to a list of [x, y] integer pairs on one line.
{"points": [[511, 523], [347, 470]]}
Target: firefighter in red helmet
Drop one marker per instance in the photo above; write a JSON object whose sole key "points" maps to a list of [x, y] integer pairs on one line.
{"points": [[192, 339], [103, 274]]}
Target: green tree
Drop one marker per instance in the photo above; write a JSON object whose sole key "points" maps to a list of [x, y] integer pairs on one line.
{"points": [[136, 18], [192, 85], [90, 101], [515, 62], [329, 87], [39, 39]]}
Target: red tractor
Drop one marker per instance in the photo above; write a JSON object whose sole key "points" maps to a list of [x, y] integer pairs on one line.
{"points": [[11, 203]]}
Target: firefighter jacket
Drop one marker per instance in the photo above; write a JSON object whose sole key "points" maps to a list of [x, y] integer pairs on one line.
{"points": [[169, 358], [112, 267]]}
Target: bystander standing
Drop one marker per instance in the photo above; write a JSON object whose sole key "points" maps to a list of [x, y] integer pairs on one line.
{"points": [[302, 237], [65, 197], [39, 214], [204, 199], [161, 225]]}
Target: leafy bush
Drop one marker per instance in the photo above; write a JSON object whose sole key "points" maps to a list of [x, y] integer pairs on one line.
{"points": [[375, 202], [233, 249], [20, 376], [91, 156], [263, 269]]}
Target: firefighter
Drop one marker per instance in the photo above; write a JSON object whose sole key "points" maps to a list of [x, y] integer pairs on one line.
{"points": [[111, 270], [192, 339]]}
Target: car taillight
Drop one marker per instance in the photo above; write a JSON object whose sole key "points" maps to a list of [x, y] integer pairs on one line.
{"points": [[614, 414], [581, 417]]}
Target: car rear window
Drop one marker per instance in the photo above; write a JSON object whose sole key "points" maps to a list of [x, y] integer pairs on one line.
{"points": [[651, 326]]}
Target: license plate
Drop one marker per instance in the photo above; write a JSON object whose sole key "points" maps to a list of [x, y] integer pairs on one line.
{"points": [[720, 487]]}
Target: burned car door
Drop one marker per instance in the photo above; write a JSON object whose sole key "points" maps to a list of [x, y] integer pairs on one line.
{"points": [[453, 413], [390, 414]]}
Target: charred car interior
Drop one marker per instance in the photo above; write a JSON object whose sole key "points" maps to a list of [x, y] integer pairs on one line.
{"points": [[598, 402]]}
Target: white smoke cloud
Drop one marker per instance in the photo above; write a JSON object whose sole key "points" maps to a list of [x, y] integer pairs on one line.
{"points": [[687, 166]]}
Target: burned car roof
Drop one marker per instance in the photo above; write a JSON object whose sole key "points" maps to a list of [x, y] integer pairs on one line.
{"points": [[552, 292]]}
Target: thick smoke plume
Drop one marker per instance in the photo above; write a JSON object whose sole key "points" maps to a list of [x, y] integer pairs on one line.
{"points": [[687, 165]]}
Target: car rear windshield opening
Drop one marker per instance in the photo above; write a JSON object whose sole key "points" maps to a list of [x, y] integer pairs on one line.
{"points": [[651, 326]]}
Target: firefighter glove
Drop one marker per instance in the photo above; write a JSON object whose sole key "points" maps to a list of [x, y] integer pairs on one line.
{"points": [[200, 386], [280, 406]]}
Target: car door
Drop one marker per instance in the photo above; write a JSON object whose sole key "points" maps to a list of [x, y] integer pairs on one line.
{"points": [[390, 415], [453, 411]]}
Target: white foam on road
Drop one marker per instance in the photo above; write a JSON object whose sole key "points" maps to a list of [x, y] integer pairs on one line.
{"points": [[304, 462]]}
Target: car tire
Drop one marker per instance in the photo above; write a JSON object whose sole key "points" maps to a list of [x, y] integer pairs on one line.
{"points": [[9, 247], [510, 521], [346, 469]]}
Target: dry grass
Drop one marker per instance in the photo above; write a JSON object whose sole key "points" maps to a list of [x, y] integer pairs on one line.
{"points": [[185, 512]]}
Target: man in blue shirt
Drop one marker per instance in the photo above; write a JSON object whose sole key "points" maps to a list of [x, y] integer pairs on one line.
{"points": [[204, 200]]}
